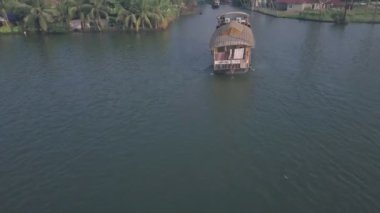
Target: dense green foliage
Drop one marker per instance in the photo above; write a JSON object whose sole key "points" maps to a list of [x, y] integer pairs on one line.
{"points": [[91, 15], [360, 15], [357, 14]]}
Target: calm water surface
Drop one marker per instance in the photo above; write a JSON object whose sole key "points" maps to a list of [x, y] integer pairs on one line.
{"points": [[136, 123]]}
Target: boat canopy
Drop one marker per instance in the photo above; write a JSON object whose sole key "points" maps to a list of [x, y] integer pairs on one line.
{"points": [[230, 34]]}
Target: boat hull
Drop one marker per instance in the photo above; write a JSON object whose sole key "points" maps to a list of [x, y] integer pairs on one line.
{"points": [[231, 71]]}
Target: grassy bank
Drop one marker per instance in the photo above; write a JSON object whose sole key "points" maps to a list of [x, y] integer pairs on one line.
{"points": [[9, 30], [358, 15]]}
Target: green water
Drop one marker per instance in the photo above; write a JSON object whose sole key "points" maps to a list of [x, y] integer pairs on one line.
{"points": [[137, 123]]}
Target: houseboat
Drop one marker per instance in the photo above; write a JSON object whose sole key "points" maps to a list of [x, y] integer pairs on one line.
{"points": [[231, 44]]}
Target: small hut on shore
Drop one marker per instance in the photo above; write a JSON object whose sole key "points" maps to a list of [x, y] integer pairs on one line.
{"points": [[77, 25], [2, 21]]}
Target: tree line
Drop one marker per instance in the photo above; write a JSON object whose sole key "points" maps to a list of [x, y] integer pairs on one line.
{"points": [[93, 15]]}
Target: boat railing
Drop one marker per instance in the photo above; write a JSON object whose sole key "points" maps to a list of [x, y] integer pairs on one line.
{"points": [[231, 64], [222, 20]]}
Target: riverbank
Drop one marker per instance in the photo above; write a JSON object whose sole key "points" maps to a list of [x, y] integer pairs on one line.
{"points": [[91, 16], [9, 29], [109, 27], [329, 15]]}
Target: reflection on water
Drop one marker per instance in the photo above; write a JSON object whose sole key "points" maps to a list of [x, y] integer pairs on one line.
{"points": [[230, 92]]}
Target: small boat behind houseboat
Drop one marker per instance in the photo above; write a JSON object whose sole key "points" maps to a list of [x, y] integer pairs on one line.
{"points": [[231, 43], [215, 3]]}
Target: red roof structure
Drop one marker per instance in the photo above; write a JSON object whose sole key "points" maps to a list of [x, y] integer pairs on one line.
{"points": [[295, 1], [328, 2]]}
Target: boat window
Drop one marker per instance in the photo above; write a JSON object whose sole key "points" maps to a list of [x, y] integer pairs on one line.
{"points": [[239, 53], [220, 49]]}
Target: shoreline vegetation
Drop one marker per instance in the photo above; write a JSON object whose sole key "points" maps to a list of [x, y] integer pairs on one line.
{"points": [[64, 16], [349, 11], [328, 15]]}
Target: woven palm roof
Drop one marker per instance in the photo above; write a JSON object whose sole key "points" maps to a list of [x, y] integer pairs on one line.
{"points": [[233, 33]]}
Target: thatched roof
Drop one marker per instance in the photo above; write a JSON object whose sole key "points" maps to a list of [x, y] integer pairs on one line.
{"points": [[232, 33]]}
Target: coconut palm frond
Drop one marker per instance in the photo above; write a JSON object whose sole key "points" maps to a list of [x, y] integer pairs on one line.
{"points": [[43, 24]]}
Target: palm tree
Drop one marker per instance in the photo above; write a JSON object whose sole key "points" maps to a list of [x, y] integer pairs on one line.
{"points": [[99, 9], [376, 9], [3, 12], [139, 15], [127, 18], [145, 15], [63, 9], [246, 4], [343, 21], [78, 8], [165, 10], [39, 15]]}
